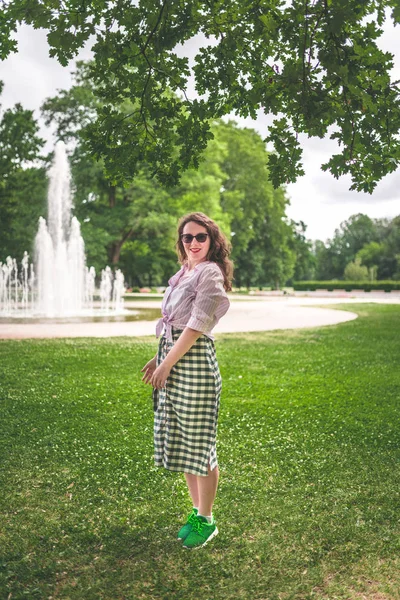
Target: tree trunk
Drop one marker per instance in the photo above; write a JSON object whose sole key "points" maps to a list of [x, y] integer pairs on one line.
{"points": [[112, 190], [115, 253], [114, 250]]}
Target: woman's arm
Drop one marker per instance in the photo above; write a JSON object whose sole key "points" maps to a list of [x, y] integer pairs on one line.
{"points": [[186, 340]]}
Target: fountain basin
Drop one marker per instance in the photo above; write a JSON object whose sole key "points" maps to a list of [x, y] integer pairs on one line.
{"points": [[127, 315]]}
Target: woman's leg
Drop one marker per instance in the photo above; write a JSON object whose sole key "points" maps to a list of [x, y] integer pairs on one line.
{"points": [[191, 481], [207, 490]]}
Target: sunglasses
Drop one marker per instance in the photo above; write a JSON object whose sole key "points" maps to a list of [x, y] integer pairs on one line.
{"points": [[187, 238]]}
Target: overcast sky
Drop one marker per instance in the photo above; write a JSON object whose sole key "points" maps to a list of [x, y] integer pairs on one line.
{"points": [[322, 202]]}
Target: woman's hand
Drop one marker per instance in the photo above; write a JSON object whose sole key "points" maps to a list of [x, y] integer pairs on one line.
{"points": [[160, 376], [149, 369]]}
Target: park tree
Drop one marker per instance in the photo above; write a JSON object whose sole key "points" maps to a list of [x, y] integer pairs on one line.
{"points": [[305, 262], [279, 255], [329, 258], [321, 255], [262, 240], [103, 207], [389, 266], [23, 182], [22, 202], [98, 202], [355, 271], [247, 196], [113, 215], [19, 140], [315, 67], [348, 239], [130, 226], [374, 243], [269, 259], [370, 256], [149, 257]]}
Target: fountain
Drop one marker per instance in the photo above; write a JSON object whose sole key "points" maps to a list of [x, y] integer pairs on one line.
{"points": [[58, 284]]}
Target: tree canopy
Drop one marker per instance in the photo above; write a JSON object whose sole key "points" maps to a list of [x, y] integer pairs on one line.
{"points": [[315, 65], [134, 226]]}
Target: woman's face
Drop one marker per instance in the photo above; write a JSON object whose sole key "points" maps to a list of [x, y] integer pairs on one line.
{"points": [[195, 251]]}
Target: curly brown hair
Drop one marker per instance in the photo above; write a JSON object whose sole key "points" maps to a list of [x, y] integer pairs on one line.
{"points": [[220, 247]]}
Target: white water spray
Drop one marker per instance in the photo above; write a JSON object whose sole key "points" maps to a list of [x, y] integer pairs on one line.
{"points": [[60, 284]]}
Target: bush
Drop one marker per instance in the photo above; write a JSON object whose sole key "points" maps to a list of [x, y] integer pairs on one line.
{"points": [[367, 286], [355, 271]]}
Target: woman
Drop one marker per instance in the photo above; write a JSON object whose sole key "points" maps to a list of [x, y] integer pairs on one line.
{"points": [[185, 373]]}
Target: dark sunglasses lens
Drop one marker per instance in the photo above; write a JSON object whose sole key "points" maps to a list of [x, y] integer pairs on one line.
{"points": [[201, 237], [187, 238]]}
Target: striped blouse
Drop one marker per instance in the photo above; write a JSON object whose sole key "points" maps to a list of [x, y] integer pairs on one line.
{"points": [[197, 300]]}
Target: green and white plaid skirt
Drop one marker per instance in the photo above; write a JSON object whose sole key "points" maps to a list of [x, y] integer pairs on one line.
{"points": [[186, 409]]}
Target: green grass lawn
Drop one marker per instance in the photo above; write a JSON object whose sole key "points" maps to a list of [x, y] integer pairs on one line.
{"points": [[308, 445]]}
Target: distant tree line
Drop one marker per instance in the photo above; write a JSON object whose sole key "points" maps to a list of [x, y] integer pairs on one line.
{"points": [[362, 249]]}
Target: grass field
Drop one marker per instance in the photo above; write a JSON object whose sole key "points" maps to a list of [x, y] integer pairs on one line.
{"points": [[308, 505]]}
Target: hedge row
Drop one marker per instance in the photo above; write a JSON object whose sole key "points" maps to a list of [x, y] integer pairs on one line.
{"points": [[348, 286]]}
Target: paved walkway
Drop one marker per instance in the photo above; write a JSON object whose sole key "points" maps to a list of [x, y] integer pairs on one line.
{"points": [[245, 315]]}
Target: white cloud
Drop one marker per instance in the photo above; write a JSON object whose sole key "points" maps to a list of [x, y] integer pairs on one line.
{"points": [[31, 75]]}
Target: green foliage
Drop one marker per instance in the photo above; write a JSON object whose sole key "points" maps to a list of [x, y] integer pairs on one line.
{"points": [[22, 202], [23, 182], [19, 142], [247, 194], [262, 239], [390, 263], [70, 111], [133, 226], [370, 254], [351, 236], [348, 286], [355, 271], [316, 67], [376, 242], [276, 235], [305, 259]]}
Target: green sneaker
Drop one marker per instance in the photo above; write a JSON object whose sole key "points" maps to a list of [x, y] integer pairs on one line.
{"points": [[187, 528], [202, 532]]}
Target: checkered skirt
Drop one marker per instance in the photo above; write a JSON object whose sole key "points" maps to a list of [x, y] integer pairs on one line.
{"points": [[186, 410]]}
